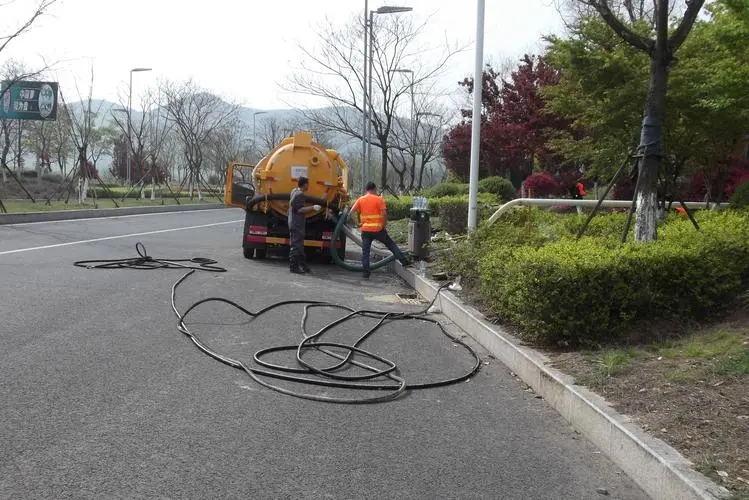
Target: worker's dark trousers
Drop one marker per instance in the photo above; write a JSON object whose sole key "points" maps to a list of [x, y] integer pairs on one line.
{"points": [[297, 257], [383, 237]]}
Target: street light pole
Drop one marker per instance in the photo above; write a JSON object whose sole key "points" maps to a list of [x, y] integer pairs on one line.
{"points": [[364, 104], [386, 9], [478, 84], [129, 120]]}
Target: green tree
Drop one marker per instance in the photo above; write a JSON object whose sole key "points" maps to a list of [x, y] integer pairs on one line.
{"points": [[605, 81], [660, 47]]}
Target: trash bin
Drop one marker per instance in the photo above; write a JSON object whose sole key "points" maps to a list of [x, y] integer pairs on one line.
{"points": [[419, 230]]}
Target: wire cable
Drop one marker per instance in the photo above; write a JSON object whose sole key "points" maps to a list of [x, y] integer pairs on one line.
{"points": [[146, 262], [392, 383]]}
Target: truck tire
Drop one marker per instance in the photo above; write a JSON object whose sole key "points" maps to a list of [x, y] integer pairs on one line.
{"points": [[248, 252]]}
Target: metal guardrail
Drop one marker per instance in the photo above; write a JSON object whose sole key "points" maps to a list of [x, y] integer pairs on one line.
{"points": [[550, 202]]}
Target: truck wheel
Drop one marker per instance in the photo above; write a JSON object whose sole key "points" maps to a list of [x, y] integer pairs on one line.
{"points": [[248, 252]]}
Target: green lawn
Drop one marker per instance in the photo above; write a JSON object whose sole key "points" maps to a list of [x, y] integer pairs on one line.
{"points": [[18, 206]]}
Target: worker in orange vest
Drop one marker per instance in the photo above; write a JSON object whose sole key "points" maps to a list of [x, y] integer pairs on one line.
{"points": [[372, 221]]}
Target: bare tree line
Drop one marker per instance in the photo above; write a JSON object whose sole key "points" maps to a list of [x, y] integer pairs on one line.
{"points": [[184, 135]]}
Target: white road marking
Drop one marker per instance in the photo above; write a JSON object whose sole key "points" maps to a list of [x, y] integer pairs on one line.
{"points": [[110, 217], [119, 236]]}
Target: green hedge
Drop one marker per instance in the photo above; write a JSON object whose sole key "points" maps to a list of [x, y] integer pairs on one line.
{"points": [[592, 291], [452, 210], [498, 186], [398, 208], [446, 189]]}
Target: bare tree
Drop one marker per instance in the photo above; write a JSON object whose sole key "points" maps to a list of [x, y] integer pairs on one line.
{"points": [[417, 140], [83, 133], [228, 143], [196, 114], [62, 145], [621, 15], [9, 128], [136, 142], [158, 128], [333, 71], [272, 131], [42, 6]]}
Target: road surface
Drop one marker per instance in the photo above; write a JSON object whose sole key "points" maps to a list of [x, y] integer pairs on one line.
{"points": [[104, 398]]}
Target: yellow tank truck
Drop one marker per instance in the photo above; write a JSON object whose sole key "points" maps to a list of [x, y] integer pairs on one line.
{"points": [[263, 191]]}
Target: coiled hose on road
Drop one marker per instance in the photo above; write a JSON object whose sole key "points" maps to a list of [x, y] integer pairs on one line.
{"points": [[332, 375]]}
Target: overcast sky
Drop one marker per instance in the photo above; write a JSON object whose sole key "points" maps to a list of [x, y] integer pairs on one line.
{"points": [[237, 48]]}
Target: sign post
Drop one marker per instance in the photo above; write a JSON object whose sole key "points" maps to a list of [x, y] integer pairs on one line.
{"points": [[26, 100]]}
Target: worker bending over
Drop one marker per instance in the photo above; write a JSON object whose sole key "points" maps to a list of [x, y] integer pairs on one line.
{"points": [[372, 221], [297, 223]]}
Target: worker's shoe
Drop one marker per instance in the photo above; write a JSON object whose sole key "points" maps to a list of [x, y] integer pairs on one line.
{"points": [[305, 268], [365, 274], [405, 262]]}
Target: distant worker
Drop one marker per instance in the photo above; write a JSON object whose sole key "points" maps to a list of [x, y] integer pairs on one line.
{"points": [[372, 221], [579, 193], [297, 223]]}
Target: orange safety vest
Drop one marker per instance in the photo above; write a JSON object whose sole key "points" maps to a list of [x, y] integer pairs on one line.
{"points": [[371, 210]]}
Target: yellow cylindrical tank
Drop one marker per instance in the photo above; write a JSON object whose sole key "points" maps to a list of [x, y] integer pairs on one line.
{"points": [[299, 156]]}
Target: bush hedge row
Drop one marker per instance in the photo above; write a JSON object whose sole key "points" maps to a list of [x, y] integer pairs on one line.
{"points": [[532, 273], [495, 185], [452, 210]]}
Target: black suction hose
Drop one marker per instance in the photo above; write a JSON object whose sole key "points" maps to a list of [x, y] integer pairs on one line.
{"points": [[337, 258], [305, 372], [329, 377]]}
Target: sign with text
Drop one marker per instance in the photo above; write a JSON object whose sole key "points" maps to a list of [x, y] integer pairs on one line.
{"points": [[28, 100]]}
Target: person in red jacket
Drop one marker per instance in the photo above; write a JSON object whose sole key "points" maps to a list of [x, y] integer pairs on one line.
{"points": [[372, 221]]}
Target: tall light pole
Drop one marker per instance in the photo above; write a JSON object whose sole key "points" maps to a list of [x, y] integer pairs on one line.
{"points": [[364, 103], [129, 118], [386, 9], [478, 85], [254, 115]]}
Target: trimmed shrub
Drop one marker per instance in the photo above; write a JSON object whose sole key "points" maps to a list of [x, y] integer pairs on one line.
{"points": [[590, 291], [541, 185], [740, 197], [398, 208], [453, 211], [446, 189], [499, 186]]}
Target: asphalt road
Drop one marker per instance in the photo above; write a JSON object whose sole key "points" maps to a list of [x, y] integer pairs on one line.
{"points": [[102, 397]]}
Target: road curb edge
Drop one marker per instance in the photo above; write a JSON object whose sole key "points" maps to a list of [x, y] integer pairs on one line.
{"points": [[659, 469]]}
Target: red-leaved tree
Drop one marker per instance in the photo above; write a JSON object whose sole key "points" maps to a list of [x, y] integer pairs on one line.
{"points": [[515, 127]]}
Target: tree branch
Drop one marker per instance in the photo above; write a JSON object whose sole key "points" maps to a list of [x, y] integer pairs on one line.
{"points": [[690, 16], [637, 41]]}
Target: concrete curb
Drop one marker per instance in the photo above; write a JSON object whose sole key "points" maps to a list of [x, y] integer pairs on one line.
{"points": [[660, 470], [26, 217]]}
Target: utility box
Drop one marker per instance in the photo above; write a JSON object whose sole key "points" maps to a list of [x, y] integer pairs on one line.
{"points": [[419, 233]]}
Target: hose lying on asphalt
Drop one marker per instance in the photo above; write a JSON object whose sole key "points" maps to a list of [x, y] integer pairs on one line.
{"points": [[304, 372], [146, 262]]}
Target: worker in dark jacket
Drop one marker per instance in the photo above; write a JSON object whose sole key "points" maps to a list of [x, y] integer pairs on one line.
{"points": [[297, 222]]}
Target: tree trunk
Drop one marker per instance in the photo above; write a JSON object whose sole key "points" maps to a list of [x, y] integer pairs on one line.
{"points": [[384, 167], [650, 146]]}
